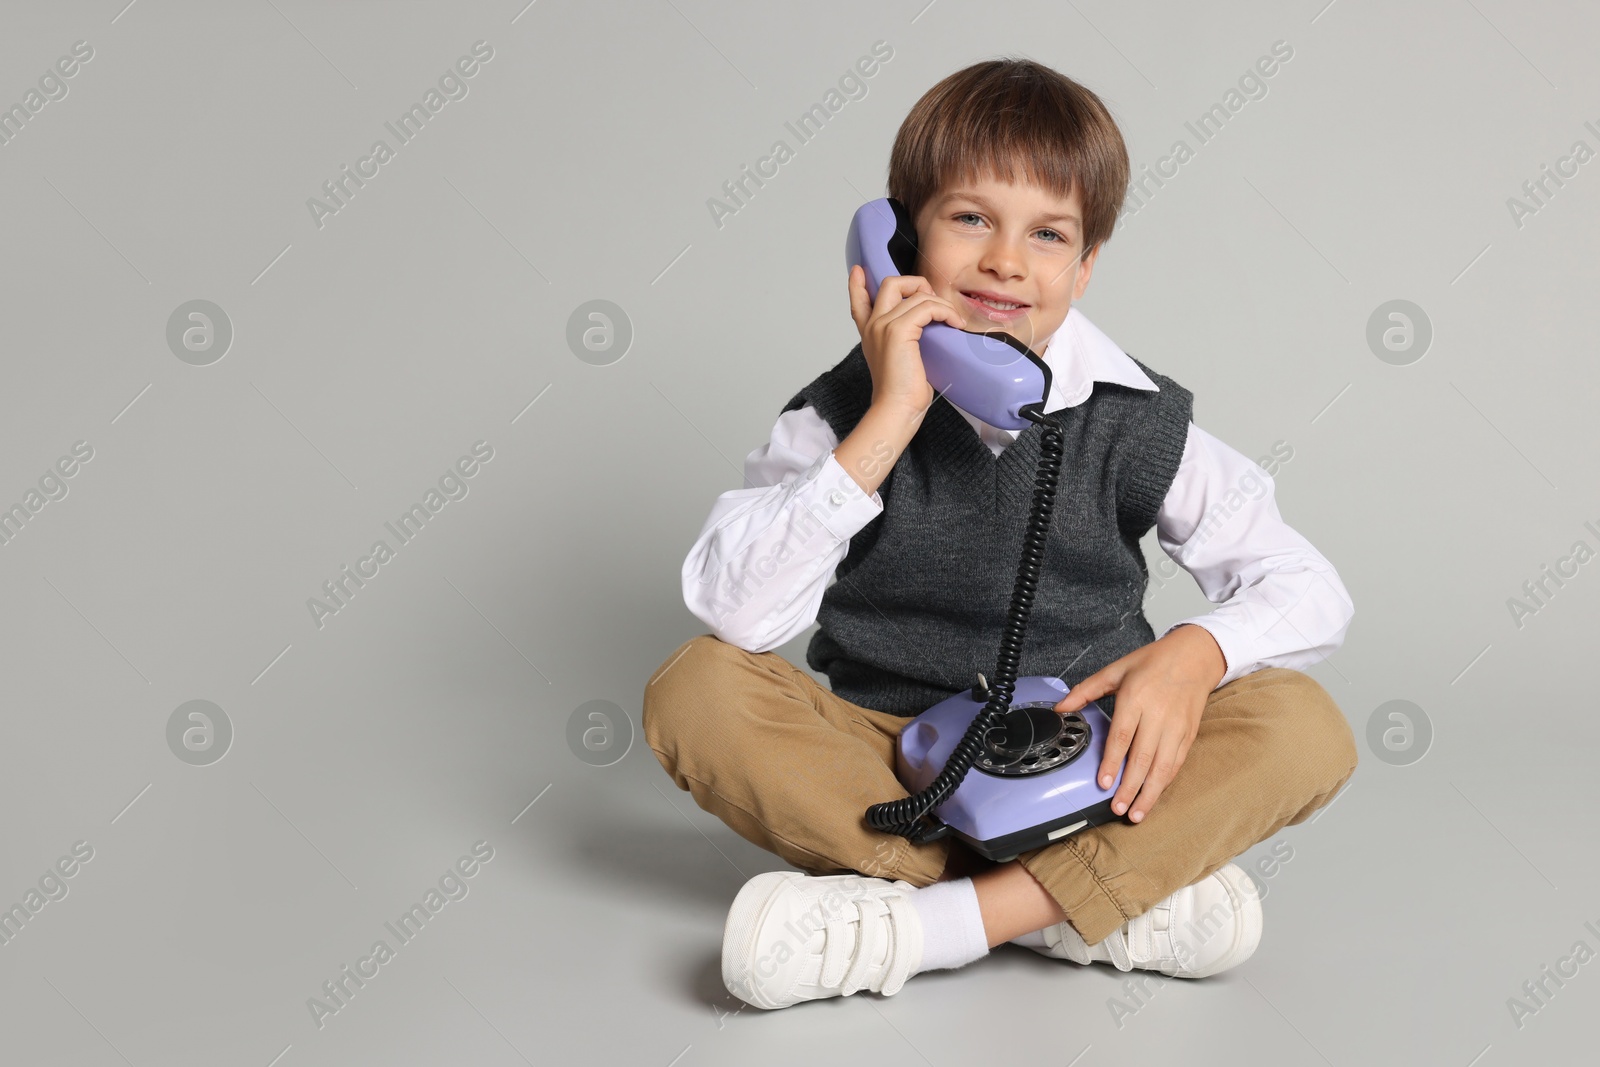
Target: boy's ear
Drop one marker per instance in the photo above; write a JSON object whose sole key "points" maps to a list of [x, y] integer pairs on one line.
{"points": [[1086, 268]]}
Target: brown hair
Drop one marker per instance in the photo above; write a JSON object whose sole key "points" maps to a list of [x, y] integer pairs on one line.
{"points": [[1001, 114]]}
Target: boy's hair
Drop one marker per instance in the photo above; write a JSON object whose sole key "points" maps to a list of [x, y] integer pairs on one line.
{"points": [[1003, 114]]}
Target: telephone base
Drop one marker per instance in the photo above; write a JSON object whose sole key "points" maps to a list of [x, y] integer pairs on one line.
{"points": [[1033, 783], [1009, 847]]}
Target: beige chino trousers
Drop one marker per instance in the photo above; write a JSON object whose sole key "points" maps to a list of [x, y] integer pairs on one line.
{"points": [[792, 768]]}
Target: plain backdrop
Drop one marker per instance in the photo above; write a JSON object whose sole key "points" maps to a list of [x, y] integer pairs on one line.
{"points": [[444, 706]]}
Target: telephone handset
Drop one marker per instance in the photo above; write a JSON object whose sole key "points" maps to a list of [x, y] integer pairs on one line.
{"points": [[990, 375], [1035, 768]]}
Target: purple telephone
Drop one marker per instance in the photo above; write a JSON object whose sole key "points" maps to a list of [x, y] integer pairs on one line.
{"points": [[1036, 768]]}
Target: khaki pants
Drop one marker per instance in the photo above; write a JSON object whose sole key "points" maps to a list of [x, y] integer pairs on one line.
{"points": [[792, 768]]}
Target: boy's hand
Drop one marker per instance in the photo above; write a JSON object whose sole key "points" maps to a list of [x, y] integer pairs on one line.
{"points": [[1161, 693], [889, 333]]}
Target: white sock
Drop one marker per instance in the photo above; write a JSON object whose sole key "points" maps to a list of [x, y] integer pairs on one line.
{"points": [[952, 924], [1031, 939]]}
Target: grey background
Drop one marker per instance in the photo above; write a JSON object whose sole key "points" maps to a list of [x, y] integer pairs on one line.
{"points": [[433, 711]]}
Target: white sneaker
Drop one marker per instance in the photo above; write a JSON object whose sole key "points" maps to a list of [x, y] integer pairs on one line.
{"points": [[1198, 931], [792, 937]]}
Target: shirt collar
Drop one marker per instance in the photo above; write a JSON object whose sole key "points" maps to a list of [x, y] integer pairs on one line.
{"points": [[1078, 355]]}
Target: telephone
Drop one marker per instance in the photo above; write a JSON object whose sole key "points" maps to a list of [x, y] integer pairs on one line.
{"points": [[1036, 767]]}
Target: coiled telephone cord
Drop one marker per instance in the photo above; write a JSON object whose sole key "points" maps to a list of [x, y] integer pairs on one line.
{"points": [[909, 816]]}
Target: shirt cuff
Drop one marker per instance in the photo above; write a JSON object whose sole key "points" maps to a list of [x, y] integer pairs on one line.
{"points": [[1228, 640], [835, 499]]}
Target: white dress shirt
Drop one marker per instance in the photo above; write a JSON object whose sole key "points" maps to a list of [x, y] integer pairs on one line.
{"points": [[767, 552]]}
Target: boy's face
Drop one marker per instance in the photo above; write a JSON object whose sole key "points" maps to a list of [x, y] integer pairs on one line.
{"points": [[1013, 241]]}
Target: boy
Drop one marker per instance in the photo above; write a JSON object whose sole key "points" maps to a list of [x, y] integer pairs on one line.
{"points": [[1013, 174]]}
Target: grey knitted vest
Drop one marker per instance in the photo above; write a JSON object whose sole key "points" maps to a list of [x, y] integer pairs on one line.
{"points": [[919, 601]]}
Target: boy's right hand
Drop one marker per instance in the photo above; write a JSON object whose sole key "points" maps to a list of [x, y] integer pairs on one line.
{"points": [[889, 332]]}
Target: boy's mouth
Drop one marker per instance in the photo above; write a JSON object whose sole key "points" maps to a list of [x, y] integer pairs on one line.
{"points": [[995, 306]]}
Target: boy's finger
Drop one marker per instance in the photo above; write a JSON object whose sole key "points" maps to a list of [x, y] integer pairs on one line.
{"points": [[919, 309], [898, 287], [947, 313], [1162, 772], [1085, 692], [1124, 725], [1091, 688], [860, 306], [1133, 774]]}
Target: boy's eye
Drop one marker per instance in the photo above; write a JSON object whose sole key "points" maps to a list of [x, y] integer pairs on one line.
{"points": [[1057, 238]]}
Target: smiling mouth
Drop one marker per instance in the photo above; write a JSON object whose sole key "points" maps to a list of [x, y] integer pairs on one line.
{"points": [[993, 304], [996, 311]]}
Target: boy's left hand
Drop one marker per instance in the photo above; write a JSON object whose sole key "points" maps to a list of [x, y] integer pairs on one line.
{"points": [[1161, 693]]}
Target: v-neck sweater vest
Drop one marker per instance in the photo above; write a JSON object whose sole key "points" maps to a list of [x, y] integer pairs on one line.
{"points": [[920, 599]]}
